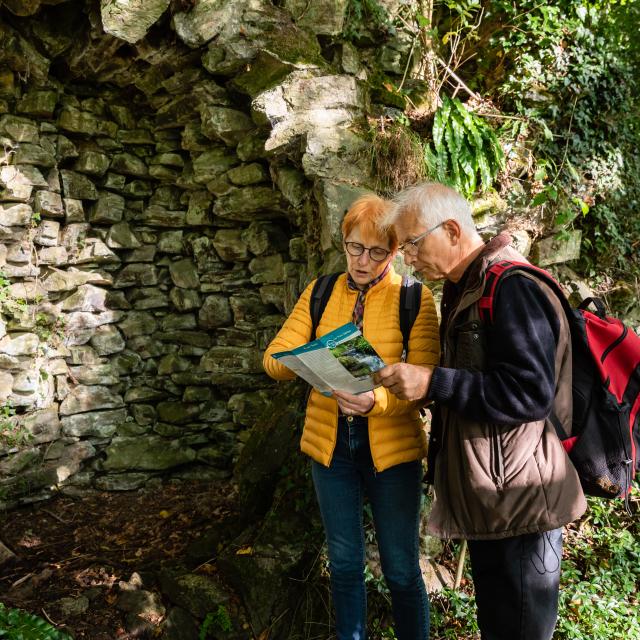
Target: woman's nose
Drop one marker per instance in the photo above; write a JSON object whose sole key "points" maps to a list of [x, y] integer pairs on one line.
{"points": [[364, 258]]}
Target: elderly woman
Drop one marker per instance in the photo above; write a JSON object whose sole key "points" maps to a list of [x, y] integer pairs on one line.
{"points": [[368, 444]]}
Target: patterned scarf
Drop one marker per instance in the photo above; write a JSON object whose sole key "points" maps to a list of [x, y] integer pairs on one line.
{"points": [[358, 309]]}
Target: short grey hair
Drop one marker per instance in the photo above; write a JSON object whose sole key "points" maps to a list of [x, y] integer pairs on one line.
{"points": [[431, 203]]}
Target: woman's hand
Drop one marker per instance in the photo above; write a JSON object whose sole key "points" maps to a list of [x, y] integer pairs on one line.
{"points": [[351, 405]]}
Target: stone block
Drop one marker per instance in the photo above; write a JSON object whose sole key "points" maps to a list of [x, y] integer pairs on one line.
{"points": [[73, 210], [325, 17], [249, 203], [76, 121], [231, 245], [28, 153], [267, 269], [136, 275], [555, 249], [129, 165], [87, 297], [19, 129], [171, 242], [92, 163], [47, 233], [157, 216], [199, 209], [38, 103], [178, 412], [84, 398], [16, 215], [215, 312], [184, 274], [48, 203], [101, 374], [97, 424], [19, 344], [17, 182], [185, 299], [146, 453], [78, 186], [56, 256], [232, 360], [109, 208], [121, 236], [228, 125], [213, 162], [138, 323], [107, 340]]}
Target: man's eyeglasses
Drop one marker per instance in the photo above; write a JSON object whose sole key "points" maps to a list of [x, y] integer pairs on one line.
{"points": [[377, 254], [410, 248]]}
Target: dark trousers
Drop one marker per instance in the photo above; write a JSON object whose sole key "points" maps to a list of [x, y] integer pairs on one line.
{"points": [[394, 495], [517, 585]]}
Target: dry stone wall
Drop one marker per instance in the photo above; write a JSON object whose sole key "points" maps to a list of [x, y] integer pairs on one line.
{"points": [[161, 206]]}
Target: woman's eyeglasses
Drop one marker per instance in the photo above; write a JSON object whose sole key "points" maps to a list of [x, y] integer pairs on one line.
{"points": [[377, 254], [411, 247]]}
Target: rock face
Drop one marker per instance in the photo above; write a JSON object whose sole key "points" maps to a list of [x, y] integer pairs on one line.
{"points": [[157, 224]]}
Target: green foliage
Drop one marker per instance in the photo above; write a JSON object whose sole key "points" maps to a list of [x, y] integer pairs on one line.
{"points": [[453, 615], [363, 18], [601, 573], [216, 621], [16, 624], [568, 71], [465, 148], [8, 304], [397, 156], [598, 585]]}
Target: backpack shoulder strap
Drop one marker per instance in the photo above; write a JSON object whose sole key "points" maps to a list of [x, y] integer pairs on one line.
{"points": [[320, 295], [410, 298], [493, 277], [498, 270]]}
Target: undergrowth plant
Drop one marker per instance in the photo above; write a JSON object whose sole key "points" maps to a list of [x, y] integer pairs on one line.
{"points": [[220, 620], [12, 433], [16, 624], [599, 594], [466, 152]]}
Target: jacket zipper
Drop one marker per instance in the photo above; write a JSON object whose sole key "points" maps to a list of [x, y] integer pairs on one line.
{"points": [[497, 467]]}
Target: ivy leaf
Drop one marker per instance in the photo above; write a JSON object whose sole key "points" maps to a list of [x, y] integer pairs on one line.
{"points": [[422, 21]]}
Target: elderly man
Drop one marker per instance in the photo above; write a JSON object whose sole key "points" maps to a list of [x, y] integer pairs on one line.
{"points": [[502, 479]]}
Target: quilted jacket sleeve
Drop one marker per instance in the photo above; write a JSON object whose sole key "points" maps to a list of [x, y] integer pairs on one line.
{"points": [[295, 332], [424, 350]]}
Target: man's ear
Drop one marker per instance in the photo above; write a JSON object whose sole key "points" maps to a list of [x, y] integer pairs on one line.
{"points": [[453, 230]]}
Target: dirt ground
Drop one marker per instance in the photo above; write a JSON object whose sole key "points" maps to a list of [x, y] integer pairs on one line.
{"points": [[70, 547]]}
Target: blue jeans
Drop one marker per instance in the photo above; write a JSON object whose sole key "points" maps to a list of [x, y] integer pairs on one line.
{"points": [[517, 582], [394, 495]]}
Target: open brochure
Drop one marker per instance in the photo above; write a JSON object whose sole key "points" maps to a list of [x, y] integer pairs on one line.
{"points": [[342, 360]]}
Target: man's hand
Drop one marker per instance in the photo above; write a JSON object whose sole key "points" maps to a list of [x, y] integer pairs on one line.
{"points": [[406, 381], [352, 405]]}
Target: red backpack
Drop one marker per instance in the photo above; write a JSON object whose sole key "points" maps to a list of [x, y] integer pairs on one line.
{"points": [[604, 444]]}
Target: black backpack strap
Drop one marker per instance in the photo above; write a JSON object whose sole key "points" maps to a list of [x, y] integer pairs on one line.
{"points": [[410, 298], [320, 295]]}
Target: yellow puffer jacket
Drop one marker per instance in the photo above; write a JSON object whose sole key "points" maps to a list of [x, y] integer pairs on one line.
{"points": [[395, 428]]}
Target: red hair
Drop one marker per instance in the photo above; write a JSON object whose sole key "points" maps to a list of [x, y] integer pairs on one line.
{"points": [[367, 213]]}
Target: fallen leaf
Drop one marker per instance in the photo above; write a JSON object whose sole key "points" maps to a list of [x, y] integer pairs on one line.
{"points": [[245, 551]]}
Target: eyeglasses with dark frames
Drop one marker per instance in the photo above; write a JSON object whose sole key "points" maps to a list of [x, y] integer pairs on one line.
{"points": [[377, 254], [411, 247]]}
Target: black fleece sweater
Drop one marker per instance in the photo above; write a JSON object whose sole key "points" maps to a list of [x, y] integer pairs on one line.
{"points": [[518, 384]]}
